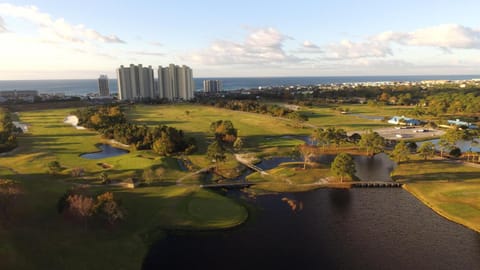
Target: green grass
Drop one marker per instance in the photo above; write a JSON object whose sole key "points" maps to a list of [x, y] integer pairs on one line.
{"points": [[434, 170], [459, 202], [41, 238], [450, 189], [325, 116]]}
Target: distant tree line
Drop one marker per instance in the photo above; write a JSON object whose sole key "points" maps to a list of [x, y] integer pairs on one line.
{"points": [[255, 107], [111, 122], [8, 138]]}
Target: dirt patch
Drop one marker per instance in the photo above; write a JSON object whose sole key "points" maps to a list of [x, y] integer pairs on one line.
{"points": [[104, 165]]}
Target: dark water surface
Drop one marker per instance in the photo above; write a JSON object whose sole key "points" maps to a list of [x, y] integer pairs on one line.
{"points": [[106, 152], [337, 229], [376, 168]]}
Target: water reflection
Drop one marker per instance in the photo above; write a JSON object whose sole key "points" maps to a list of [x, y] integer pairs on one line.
{"points": [[106, 152], [340, 199], [359, 229]]}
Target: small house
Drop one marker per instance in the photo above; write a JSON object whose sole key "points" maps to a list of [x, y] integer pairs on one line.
{"points": [[459, 123], [402, 120]]}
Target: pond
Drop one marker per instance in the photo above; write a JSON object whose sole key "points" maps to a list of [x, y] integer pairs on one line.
{"points": [[337, 229], [376, 168], [463, 145], [106, 152]]}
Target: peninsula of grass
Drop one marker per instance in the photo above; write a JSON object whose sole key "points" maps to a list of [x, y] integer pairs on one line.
{"points": [[450, 188]]}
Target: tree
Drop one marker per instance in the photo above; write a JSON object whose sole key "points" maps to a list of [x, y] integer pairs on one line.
{"points": [[108, 209], [426, 150], [54, 167], [305, 151], [238, 144], [81, 206], [372, 142], [9, 192], [340, 137], [319, 137], [104, 178], [224, 131], [449, 139], [343, 165], [400, 152], [216, 153]]}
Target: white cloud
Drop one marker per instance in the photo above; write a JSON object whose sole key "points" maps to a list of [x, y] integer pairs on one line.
{"points": [[147, 53], [448, 36], [308, 44], [3, 28], [350, 50], [261, 46], [55, 29], [445, 37]]}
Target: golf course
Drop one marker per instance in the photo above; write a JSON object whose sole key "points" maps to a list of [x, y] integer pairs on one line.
{"points": [[36, 236]]}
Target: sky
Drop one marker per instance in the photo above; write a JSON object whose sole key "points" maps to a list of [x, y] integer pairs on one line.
{"points": [[51, 39]]}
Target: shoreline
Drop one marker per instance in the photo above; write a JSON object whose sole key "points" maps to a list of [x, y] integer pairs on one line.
{"points": [[438, 211]]}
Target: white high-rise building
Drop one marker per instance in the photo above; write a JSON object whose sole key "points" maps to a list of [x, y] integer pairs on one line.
{"points": [[135, 82], [175, 82], [212, 86], [103, 86]]}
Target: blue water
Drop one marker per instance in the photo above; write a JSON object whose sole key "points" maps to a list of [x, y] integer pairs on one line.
{"points": [[83, 87]]}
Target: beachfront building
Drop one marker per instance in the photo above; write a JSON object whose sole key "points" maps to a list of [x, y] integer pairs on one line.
{"points": [[175, 82], [459, 123], [19, 95], [103, 89], [402, 120], [135, 82], [212, 86]]}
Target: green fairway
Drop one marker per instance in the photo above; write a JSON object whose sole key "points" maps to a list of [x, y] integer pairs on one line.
{"points": [[326, 116], [41, 238], [459, 202], [449, 188]]}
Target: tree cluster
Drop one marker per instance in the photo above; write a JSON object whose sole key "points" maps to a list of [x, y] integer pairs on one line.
{"points": [[8, 139], [255, 107], [112, 123], [103, 208], [326, 137]]}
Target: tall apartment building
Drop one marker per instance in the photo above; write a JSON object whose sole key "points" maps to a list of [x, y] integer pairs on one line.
{"points": [[175, 82], [212, 86], [136, 82], [103, 86]]}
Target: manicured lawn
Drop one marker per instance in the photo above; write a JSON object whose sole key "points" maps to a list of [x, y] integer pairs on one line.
{"points": [[325, 116], [451, 189], [40, 238], [459, 202]]}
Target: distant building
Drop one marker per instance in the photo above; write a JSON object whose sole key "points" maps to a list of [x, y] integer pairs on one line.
{"points": [[103, 86], [459, 123], [402, 120], [135, 82], [175, 82], [212, 86], [23, 95]]}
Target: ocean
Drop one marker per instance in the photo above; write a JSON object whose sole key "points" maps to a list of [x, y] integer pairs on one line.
{"points": [[83, 87]]}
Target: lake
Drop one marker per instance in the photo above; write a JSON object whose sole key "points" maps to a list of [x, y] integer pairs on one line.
{"points": [[106, 151], [337, 229]]}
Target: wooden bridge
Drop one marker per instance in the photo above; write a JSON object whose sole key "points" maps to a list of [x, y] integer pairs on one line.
{"points": [[376, 184], [238, 185]]}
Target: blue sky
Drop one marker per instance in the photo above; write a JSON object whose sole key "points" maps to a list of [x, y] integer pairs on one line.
{"points": [[81, 39]]}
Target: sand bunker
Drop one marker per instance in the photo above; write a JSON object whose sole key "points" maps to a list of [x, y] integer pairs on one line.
{"points": [[72, 120], [21, 126]]}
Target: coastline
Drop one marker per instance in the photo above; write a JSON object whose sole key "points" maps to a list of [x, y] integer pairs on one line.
{"points": [[439, 211]]}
